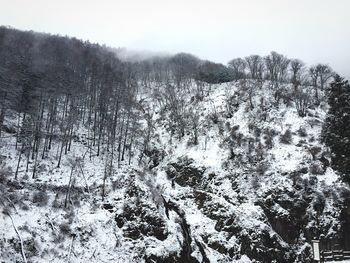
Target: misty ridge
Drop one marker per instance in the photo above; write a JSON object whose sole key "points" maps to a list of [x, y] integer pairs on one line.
{"points": [[116, 155], [40, 50]]}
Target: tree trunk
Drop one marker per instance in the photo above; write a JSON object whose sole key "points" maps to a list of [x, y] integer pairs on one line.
{"points": [[69, 188], [19, 161]]}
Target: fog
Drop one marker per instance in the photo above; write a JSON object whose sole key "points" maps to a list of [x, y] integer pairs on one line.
{"points": [[219, 30]]}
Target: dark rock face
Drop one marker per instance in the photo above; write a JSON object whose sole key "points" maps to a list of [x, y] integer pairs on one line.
{"points": [[140, 218], [137, 220], [183, 256], [291, 216], [155, 156], [108, 207], [289, 219], [264, 247], [186, 250], [172, 258], [212, 209], [286, 215], [184, 173]]}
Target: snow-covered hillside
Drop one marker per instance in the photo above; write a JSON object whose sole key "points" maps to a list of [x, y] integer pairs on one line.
{"points": [[255, 186]]}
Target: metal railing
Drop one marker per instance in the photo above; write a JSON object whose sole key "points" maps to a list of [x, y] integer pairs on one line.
{"points": [[334, 255]]}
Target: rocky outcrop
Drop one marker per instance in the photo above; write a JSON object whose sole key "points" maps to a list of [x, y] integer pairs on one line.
{"points": [[184, 172], [140, 218]]}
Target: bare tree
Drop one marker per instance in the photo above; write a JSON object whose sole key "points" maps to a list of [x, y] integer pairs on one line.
{"points": [[302, 101], [184, 68], [238, 66], [276, 67], [325, 72], [194, 124], [176, 103], [255, 66], [297, 69], [314, 74]]}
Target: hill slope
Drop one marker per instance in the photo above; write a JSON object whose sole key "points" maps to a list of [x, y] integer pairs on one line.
{"points": [[248, 180]]}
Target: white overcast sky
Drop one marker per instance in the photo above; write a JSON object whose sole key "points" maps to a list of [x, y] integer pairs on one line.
{"points": [[219, 30]]}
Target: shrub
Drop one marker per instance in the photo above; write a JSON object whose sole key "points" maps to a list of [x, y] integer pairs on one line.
{"points": [[56, 202], [255, 182], [76, 200], [214, 117], [262, 168], [40, 198], [24, 206], [302, 132], [14, 197], [301, 143], [314, 151], [257, 132], [268, 141], [3, 177], [269, 134], [58, 238], [65, 228], [319, 202], [69, 215], [5, 173], [286, 137], [32, 247], [220, 128], [316, 168]]}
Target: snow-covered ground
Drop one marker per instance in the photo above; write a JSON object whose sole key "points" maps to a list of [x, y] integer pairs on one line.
{"points": [[231, 193]]}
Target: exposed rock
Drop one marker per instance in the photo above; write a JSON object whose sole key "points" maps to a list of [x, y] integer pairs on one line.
{"points": [[264, 248], [140, 218], [155, 156], [184, 173]]}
